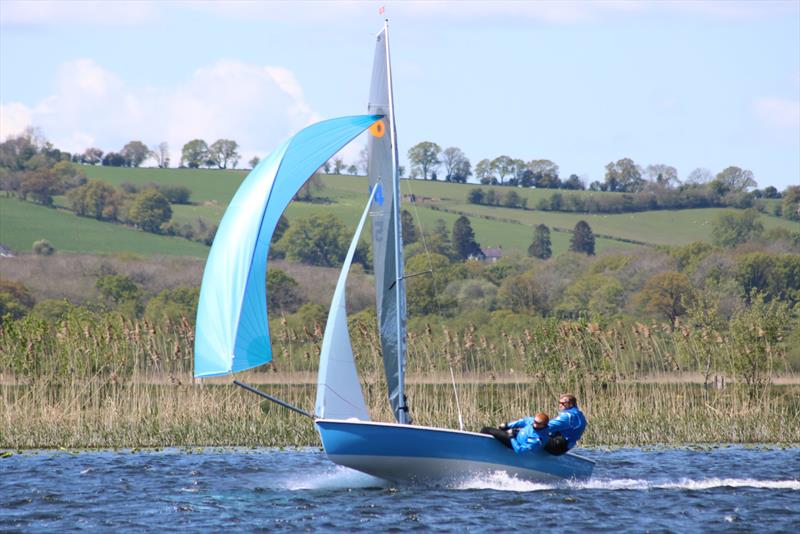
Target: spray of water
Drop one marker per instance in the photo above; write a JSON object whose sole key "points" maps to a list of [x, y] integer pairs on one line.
{"points": [[337, 478]]}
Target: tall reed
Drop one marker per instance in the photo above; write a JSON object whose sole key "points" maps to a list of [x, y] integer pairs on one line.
{"points": [[102, 380]]}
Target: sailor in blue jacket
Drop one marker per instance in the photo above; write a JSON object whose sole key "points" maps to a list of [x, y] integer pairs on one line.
{"points": [[532, 434], [567, 428]]}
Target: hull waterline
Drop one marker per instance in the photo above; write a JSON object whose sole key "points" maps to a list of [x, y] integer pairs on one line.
{"points": [[423, 454]]}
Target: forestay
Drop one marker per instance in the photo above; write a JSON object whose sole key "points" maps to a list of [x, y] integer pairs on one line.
{"points": [[232, 332]]}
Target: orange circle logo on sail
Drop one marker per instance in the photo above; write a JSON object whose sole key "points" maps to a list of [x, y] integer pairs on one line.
{"points": [[377, 129]]}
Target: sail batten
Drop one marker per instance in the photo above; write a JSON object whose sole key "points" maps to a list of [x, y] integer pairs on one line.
{"points": [[232, 331]]}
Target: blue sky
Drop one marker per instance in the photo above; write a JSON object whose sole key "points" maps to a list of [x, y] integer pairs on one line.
{"points": [[690, 84]]}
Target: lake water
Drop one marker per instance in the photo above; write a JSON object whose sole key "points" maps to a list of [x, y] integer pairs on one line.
{"points": [[735, 489]]}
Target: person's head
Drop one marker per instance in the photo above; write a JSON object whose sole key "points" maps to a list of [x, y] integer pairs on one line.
{"points": [[540, 420], [567, 401]]}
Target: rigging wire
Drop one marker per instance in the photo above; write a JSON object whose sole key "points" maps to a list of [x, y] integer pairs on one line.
{"points": [[435, 288]]}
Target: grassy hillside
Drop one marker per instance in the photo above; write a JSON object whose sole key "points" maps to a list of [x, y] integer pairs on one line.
{"points": [[344, 196], [22, 223]]}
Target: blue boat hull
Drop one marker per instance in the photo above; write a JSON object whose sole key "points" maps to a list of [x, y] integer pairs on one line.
{"points": [[415, 453]]}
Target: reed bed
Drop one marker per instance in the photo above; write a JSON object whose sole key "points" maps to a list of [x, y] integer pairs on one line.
{"points": [[102, 380]]}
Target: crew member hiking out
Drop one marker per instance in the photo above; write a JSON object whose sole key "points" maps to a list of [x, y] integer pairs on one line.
{"points": [[528, 434], [567, 428]]}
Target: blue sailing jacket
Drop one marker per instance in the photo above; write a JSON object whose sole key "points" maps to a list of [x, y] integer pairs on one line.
{"points": [[528, 438], [571, 423]]}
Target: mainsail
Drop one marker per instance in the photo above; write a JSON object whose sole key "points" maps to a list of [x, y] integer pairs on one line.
{"points": [[386, 239], [232, 332]]}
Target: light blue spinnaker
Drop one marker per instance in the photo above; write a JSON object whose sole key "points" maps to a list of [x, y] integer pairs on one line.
{"points": [[232, 333]]}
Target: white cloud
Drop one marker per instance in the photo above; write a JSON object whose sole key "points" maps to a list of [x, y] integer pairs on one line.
{"points": [[778, 112], [27, 13], [258, 106], [14, 118]]}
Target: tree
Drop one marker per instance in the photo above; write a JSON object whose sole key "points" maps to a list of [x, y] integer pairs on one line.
{"points": [[41, 186], [317, 240], [194, 153], [424, 157], [624, 175], [43, 247], [790, 207], [666, 294], [338, 165], [574, 182], [69, 174], [92, 156], [457, 166], [699, 176], [15, 300], [16, 152], [114, 159], [484, 172], [545, 173], [160, 153], [582, 239], [135, 153], [306, 191], [663, 175], [409, 230], [733, 180], [475, 196], [173, 305], [176, 194], [95, 199], [512, 200], [731, 228], [541, 247], [502, 166], [149, 210], [523, 293], [464, 244], [223, 152], [118, 288], [283, 292], [426, 294], [771, 192], [256, 160], [352, 170]]}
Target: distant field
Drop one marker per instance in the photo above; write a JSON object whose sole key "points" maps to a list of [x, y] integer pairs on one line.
{"points": [[344, 196], [22, 223]]}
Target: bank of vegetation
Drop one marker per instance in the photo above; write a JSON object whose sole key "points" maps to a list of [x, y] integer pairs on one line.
{"points": [[95, 351], [115, 370]]}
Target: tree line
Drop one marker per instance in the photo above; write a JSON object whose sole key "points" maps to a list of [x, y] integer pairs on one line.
{"points": [[683, 197], [33, 170]]}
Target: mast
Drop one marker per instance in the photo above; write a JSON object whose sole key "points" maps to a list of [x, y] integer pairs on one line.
{"points": [[403, 414]]}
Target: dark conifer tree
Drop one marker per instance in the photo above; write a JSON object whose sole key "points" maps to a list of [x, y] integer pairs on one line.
{"points": [[464, 244], [541, 247], [582, 239], [408, 228]]}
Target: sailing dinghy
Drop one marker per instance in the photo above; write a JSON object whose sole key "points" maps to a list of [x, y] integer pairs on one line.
{"points": [[232, 332]]}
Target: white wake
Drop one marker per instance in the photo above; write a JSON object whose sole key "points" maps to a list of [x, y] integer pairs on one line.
{"points": [[502, 481]]}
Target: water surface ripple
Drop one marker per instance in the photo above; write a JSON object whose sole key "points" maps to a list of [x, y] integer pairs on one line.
{"points": [[735, 489]]}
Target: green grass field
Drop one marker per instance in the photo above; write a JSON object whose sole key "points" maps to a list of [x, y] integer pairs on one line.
{"points": [[343, 196], [22, 223]]}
